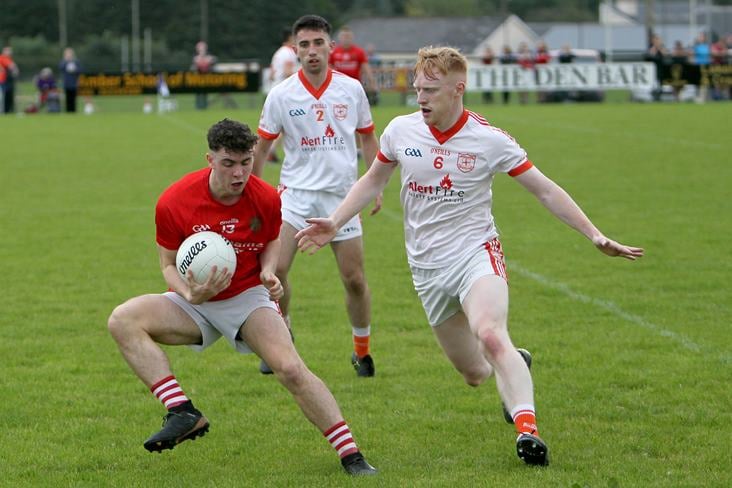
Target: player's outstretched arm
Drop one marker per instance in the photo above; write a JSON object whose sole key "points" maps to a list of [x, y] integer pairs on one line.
{"points": [[370, 147], [321, 231], [558, 202]]}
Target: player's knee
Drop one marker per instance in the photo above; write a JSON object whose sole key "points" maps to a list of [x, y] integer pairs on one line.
{"points": [[494, 340], [355, 284], [118, 321], [291, 373], [122, 322]]}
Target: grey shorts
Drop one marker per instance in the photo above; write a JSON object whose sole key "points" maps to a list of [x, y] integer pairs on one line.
{"points": [[443, 290], [298, 205], [225, 317]]}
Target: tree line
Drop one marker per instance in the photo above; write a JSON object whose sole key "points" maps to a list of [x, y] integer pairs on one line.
{"points": [[234, 29]]}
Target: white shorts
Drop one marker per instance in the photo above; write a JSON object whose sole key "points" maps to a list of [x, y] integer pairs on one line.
{"points": [[298, 205], [442, 290], [225, 317]]}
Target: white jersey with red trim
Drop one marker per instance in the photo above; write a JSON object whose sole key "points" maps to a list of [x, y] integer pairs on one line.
{"points": [[283, 57], [446, 183], [319, 127]]}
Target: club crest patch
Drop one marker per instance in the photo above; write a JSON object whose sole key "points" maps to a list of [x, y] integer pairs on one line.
{"points": [[340, 111], [466, 162]]}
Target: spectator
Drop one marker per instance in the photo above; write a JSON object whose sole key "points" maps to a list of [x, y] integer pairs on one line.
{"points": [[702, 58], [203, 62], [487, 58], [348, 58], [375, 63], [373, 57], [70, 68], [542, 56], [526, 60], [45, 83], [8, 73], [679, 54], [566, 55], [656, 54], [679, 59], [507, 57], [718, 52]]}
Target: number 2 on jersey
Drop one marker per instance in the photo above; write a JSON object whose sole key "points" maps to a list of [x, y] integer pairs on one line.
{"points": [[319, 114]]}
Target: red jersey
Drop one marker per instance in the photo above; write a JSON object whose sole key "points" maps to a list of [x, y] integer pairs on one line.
{"points": [[187, 206], [348, 61]]}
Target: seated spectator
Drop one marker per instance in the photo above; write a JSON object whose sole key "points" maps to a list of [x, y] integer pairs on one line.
{"points": [[48, 96]]}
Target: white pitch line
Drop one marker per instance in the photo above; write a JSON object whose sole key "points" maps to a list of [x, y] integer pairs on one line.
{"points": [[566, 290], [182, 123], [606, 305]]}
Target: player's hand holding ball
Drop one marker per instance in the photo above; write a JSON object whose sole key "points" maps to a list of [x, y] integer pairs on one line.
{"points": [[206, 262], [218, 281]]}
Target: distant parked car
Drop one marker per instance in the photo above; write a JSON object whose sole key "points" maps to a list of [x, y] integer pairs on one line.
{"points": [[578, 56]]}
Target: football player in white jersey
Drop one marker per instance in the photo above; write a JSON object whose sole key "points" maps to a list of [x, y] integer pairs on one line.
{"points": [[319, 112], [448, 157]]}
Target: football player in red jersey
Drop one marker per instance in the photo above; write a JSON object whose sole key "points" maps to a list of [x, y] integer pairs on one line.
{"points": [[223, 197]]}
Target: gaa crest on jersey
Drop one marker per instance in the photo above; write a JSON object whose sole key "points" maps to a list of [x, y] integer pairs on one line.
{"points": [[340, 111], [466, 162]]}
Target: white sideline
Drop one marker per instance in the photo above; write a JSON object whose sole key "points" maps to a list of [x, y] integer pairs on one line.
{"points": [[725, 358], [606, 305], [513, 266]]}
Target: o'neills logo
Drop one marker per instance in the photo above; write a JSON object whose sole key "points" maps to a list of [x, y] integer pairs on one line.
{"points": [[193, 251]]}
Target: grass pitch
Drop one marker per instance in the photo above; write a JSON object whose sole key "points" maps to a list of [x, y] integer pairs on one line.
{"points": [[632, 360]]}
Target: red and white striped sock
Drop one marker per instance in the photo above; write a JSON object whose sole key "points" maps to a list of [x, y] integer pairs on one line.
{"points": [[341, 439], [524, 418], [169, 392]]}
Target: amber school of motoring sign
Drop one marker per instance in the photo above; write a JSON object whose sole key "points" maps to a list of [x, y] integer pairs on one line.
{"points": [[573, 76], [131, 83]]}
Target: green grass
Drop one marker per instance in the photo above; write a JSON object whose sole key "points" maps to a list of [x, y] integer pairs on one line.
{"points": [[632, 360]]}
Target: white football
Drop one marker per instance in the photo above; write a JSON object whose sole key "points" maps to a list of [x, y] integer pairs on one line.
{"points": [[202, 251]]}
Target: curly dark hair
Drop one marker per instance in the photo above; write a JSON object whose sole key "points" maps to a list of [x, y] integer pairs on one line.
{"points": [[231, 135], [310, 22]]}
